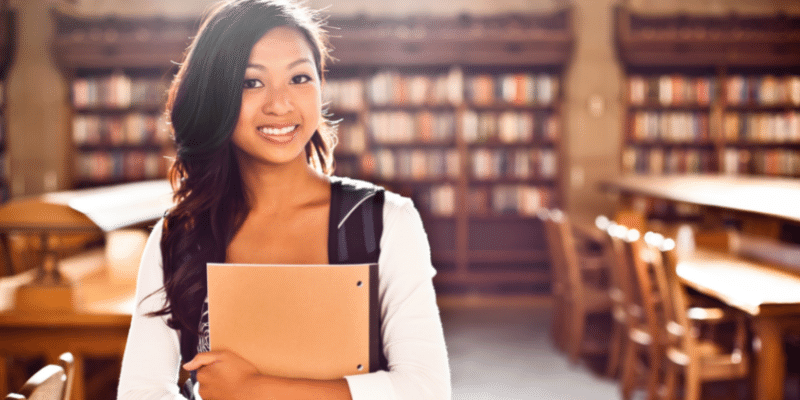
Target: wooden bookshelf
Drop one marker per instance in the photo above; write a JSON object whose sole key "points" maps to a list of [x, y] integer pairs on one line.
{"points": [[464, 116], [710, 94], [119, 70], [7, 29]]}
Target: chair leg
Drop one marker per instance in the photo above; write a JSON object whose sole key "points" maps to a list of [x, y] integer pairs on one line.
{"points": [[577, 329], [654, 371], [557, 330], [627, 381], [671, 381], [615, 348], [692, 385]]}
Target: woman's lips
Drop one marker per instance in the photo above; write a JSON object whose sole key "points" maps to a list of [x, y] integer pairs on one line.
{"points": [[279, 135]]}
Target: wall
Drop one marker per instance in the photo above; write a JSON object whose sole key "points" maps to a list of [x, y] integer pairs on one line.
{"points": [[38, 118]]}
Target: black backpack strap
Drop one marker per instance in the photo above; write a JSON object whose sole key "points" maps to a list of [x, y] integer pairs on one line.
{"points": [[356, 222], [355, 231]]}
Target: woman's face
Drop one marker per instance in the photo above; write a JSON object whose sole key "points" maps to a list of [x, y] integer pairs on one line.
{"points": [[281, 100]]}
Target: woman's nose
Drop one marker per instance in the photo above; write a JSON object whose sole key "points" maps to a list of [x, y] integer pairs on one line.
{"points": [[278, 101]]}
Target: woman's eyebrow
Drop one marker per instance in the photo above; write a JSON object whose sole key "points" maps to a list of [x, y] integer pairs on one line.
{"points": [[291, 65]]}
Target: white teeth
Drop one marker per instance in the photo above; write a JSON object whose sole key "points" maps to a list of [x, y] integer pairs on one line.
{"points": [[281, 131]]}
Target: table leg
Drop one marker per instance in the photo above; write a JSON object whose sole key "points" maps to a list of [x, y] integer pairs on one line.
{"points": [[79, 382], [770, 361], [4, 375]]}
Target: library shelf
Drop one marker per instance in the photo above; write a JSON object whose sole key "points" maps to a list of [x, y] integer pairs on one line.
{"points": [[710, 93], [119, 69], [476, 100]]}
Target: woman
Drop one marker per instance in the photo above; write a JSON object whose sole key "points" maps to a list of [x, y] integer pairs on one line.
{"points": [[252, 185]]}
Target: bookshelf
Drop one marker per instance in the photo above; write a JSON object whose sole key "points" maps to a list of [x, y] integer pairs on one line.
{"points": [[463, 115], [7, 29], [710, 94], [118, 70]]}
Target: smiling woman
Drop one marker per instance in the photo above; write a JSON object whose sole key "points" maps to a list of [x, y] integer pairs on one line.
{"points": [[281, 100], [252, 184]]}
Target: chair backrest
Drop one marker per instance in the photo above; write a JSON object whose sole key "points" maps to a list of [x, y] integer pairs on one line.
{"points": [[52, 382], [646, 293], [46, 384], [619, 277], [557, 268], [677, 322], [560, 230], [67, 362]]}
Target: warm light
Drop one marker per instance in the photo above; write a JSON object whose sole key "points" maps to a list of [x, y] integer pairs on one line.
{"points": [[123, 252], [602, 222]]}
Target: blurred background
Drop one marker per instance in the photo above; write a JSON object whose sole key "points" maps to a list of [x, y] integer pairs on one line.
{"points": [[498, 118]]}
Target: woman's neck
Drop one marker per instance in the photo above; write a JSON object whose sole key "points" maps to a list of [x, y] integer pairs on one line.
{"points": [[271, 188]]}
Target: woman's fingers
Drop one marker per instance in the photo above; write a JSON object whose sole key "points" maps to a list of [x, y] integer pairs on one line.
{"points": [[201, 360]]}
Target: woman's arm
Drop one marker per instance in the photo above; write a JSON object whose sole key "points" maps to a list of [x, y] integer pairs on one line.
{"points": [[151, 363], [413, 340], [224, 375]]}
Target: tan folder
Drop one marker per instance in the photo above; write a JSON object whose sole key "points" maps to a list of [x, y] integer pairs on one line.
{"points": [[296, 321]]}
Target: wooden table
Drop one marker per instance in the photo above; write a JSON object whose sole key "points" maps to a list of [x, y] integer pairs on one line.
{"points": [[764, 196], [767, 294], [98, 328]]}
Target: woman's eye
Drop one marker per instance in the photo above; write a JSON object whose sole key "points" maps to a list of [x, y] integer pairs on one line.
{"points": [[301, 79], [252, 83]]}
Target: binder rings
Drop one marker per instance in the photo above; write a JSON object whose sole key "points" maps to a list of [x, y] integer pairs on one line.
{"points": [[297, 321]]}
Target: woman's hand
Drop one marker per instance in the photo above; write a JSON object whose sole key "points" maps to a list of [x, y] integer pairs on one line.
{"points": [[223, 375]]}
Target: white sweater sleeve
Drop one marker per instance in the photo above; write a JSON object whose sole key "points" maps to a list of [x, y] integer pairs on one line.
{"points": [[151, 362], [413, 340]]}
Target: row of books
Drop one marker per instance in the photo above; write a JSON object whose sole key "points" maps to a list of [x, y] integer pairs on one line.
{"points": [[116, 130], [439, 200], [524, 200], [763, 90], [405, 127], [518, 89], [391, 87], [667, 161], [671, 90], [117, 91], [762, 127], [489, 164], [527, 200], [103, 166], [669, 126], [510, 127], [388, 164], [774, 162], [351, 137], [344, 94]]}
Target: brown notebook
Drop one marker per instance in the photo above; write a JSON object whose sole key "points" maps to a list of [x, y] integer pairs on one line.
{"points": [[297, 321]]}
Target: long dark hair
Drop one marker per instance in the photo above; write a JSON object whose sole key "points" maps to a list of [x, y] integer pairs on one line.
{"points": [[203, 107]]}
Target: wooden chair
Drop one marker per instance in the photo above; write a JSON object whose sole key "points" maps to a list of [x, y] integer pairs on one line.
{"points": [[52, 382], [642, 353], [697, 359], [575, 300], [618, 276]]}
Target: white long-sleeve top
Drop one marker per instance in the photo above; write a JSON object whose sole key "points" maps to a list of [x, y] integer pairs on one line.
{"points": [[413, 341]]}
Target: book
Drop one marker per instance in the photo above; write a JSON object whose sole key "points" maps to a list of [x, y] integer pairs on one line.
{"points": [[296, 321]]}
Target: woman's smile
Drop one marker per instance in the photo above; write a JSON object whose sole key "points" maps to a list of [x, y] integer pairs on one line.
{"points": [[279, 135]]}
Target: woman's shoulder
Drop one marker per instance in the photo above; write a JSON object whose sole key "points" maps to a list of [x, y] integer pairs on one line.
{"points": [[393, 204]]}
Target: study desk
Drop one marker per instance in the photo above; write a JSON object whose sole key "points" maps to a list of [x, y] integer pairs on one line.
{"points": [[98, 328], [763, 203], [769, 295]]}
